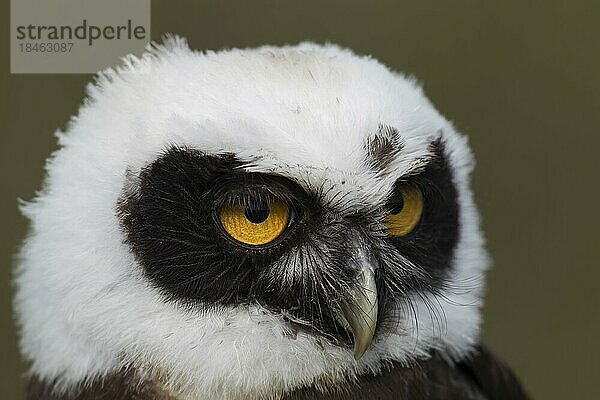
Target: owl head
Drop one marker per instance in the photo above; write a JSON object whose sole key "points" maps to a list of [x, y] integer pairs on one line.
{"points": [[250, 221]]}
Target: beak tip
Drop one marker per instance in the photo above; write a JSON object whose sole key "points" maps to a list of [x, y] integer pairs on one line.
{"points": [[361, 345], [358, 353]]}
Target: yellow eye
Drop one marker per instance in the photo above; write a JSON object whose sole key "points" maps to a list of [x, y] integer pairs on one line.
{"points": [[257, 223], [406, 211]]}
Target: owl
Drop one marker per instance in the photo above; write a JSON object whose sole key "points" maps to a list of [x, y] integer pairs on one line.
{"points": [[272, 223]]}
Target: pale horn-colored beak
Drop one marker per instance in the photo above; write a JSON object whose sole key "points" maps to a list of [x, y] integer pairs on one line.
{"points": [[359, 309]]}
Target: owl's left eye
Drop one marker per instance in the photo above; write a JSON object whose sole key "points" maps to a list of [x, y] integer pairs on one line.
{"points": [[256, 223], [406, 208]]}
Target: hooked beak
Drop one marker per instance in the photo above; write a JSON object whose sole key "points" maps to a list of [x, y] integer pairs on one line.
{"points": [[359, 309]]}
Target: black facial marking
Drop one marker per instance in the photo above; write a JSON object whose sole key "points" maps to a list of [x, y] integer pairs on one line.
{"points": [[420, 261], [383, 147], [431, 244], [171, 222]]}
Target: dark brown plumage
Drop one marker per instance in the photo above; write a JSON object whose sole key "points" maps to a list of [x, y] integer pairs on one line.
{"points": [[481, 377]]}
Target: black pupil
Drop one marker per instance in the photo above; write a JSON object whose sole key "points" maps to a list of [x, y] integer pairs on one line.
{"points": [[257, 212], [396, 204]]}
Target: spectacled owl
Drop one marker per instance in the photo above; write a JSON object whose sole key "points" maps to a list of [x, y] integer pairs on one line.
{"points": [[273, 223]]}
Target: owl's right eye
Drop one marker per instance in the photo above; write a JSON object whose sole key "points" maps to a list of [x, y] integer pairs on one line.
{"points": [[256, 223]]}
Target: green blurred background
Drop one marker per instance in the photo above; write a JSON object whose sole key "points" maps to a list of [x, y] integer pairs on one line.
{"points": [[523, 81]]}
